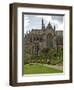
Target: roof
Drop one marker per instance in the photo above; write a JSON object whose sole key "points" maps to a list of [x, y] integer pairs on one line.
{"points": [[59, 33]]}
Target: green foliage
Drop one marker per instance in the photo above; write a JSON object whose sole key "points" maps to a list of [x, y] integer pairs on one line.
{"points": [[53, 55]]}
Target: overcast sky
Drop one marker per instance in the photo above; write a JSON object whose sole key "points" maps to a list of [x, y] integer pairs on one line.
{"points": [[34, 22]]}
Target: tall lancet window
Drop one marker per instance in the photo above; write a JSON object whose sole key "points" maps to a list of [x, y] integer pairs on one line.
{"points": [[49, 41]]}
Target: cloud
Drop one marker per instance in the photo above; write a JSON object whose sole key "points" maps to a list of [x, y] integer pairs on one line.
{"points": [[61, 27], [27, 21], [58, 25], [46, 19], [58, 18], [34, 22]]}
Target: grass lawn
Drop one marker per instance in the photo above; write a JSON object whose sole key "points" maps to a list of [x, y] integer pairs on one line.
{"points": [[38, 69]]}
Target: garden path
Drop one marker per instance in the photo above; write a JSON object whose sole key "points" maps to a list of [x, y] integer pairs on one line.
{"points": [[59, 67]]}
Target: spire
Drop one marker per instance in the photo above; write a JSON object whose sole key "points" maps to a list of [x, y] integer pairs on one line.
{"points": [[54, 27], [49, 25], [43, 26]]}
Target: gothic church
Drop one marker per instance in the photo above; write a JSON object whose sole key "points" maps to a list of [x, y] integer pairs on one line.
{"points": [[39, 39]]}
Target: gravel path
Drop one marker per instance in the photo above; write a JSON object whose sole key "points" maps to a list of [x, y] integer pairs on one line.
{"points": [[54, 66]]}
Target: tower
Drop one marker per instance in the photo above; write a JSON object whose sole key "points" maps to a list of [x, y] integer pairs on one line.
{"points": [[43, 26], [54, 27], [49, 26]]}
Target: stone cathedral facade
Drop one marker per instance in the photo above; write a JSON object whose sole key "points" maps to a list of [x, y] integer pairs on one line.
{"points": [[38, 39]]}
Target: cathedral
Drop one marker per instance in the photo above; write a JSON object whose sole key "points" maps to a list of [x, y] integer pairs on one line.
{"points": [[38, 39]]}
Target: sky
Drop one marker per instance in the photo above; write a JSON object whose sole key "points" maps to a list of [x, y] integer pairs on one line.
{"points": [[34, 22]]}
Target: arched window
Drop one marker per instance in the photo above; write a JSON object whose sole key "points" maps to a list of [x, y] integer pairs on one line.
{"points": [[37, 49], [49, 40]]}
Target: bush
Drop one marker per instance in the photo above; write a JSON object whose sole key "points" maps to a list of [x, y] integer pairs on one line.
{"points": [[54, 57]]}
